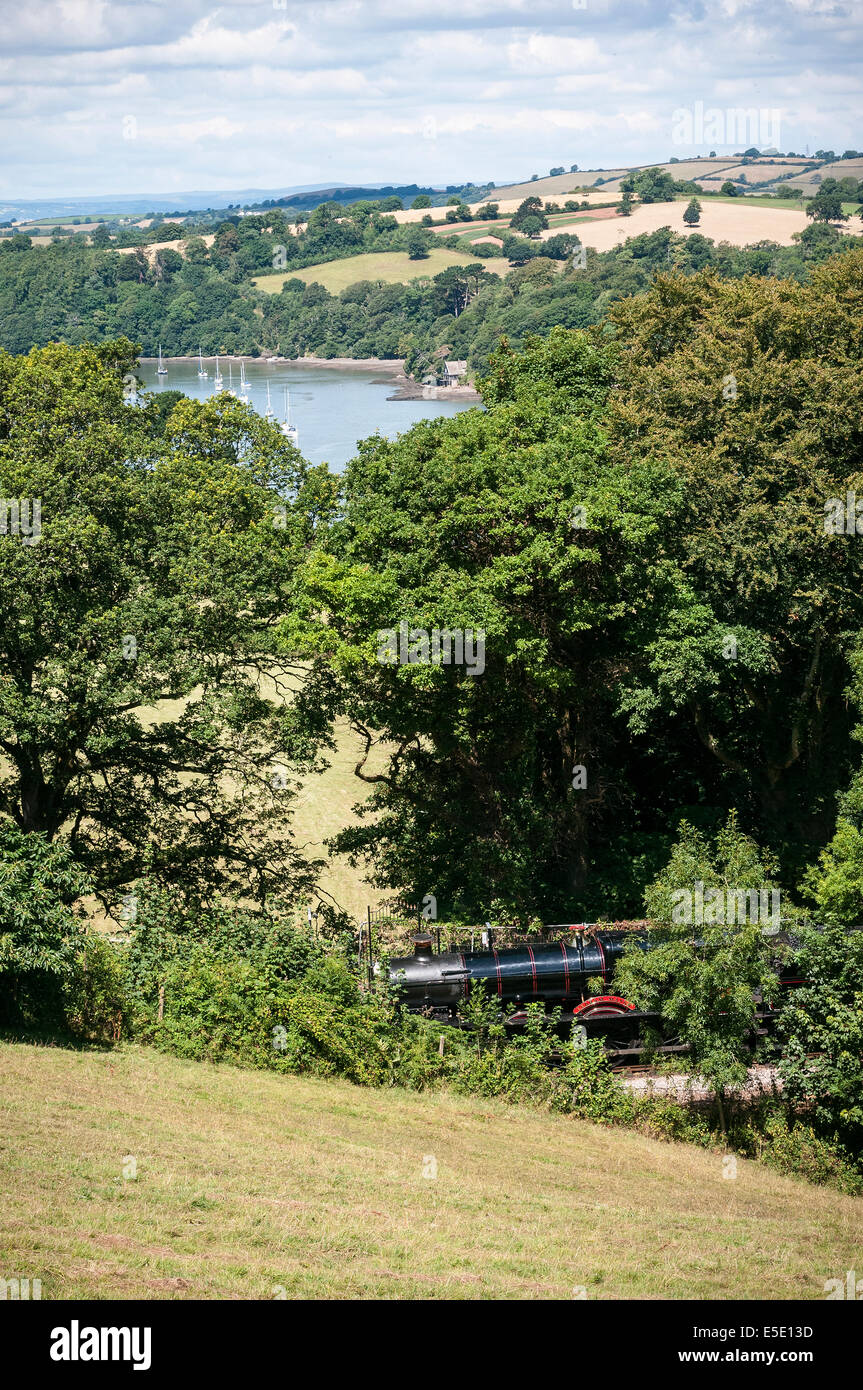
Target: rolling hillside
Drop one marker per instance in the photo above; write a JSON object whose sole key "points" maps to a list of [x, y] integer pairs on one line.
{"points": [[128, 1174]]}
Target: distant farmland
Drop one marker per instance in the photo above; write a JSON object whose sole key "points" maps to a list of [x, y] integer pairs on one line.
{"points": [[393, 267]]}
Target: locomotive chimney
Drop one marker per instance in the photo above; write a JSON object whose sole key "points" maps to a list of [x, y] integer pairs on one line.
{"points": [[422, 944]]}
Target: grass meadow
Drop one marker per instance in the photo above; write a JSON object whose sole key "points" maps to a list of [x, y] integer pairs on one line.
{"points": [[129, 1174], [393, 267]]}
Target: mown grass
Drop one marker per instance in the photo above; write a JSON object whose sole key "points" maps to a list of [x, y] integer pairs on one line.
{"points": [[393, 267], [249, 1184]]}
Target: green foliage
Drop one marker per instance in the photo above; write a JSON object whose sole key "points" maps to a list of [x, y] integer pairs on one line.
{"points": [[706, 977], [588, 1088], [826, 206], [794, 1149], [821, 1027], [417, 243], [507, 482], [758, 414], [529, 217], [649, 568], [650, 185], [166, 569], [836, 884], [95, 1003], [39, 885]]}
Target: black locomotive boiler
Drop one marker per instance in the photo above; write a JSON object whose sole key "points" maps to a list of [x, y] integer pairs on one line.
{"points": [[575, 975]]}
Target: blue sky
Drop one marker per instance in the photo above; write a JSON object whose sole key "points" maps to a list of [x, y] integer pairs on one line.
{"points": [[101, 96]]}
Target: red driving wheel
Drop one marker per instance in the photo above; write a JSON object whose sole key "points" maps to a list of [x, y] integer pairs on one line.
{"points": [[603, 1006]]}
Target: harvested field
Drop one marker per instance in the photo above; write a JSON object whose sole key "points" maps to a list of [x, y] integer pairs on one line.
{"points": [[734, 222], [768, 169]]}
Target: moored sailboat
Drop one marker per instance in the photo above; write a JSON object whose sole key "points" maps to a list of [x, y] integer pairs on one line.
{"points": [[160, 370], [288, 429]]}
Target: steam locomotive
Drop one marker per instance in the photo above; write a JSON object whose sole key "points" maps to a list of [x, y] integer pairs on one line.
{"points": [[556, 974], [576, 975]]}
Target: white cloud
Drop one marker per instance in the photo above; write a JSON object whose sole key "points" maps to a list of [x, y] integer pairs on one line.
{"points": [[384, 89]]}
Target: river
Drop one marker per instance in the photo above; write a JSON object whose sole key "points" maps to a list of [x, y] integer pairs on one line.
{"points": [[332, 407]]}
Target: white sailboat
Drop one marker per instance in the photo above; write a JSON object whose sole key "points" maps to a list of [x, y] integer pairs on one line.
{"points": [[231, 391], [202, 375], [160, 370], [244, 385], [217, 379], [269, 412], [288, 430]]}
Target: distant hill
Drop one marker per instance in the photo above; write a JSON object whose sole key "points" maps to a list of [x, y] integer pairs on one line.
{"points": [[304, 196], [769, 171]]}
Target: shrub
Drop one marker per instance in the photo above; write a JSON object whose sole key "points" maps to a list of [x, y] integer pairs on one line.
{"points": [[587, 1086], [95, 991], [794, 1149], [38, 926]]}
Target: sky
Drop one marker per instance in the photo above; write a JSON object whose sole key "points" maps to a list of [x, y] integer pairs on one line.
{"points": [[105, 96]]}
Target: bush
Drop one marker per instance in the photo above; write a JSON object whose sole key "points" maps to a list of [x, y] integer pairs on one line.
{"points": [[95, 992], [589, 1088], [795, 1150], [38, 884], [821, 1027]]}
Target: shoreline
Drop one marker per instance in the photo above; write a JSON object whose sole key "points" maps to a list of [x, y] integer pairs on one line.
{"points": [[391, 368], [387, 364]]}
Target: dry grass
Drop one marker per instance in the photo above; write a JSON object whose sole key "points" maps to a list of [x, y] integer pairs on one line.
{"points": [[248, 1183], [324, 806], [742, 222], [763, 169]]}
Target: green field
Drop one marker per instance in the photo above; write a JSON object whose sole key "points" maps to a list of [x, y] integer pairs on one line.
{"points": [[393, 267], [247, 1183]]}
